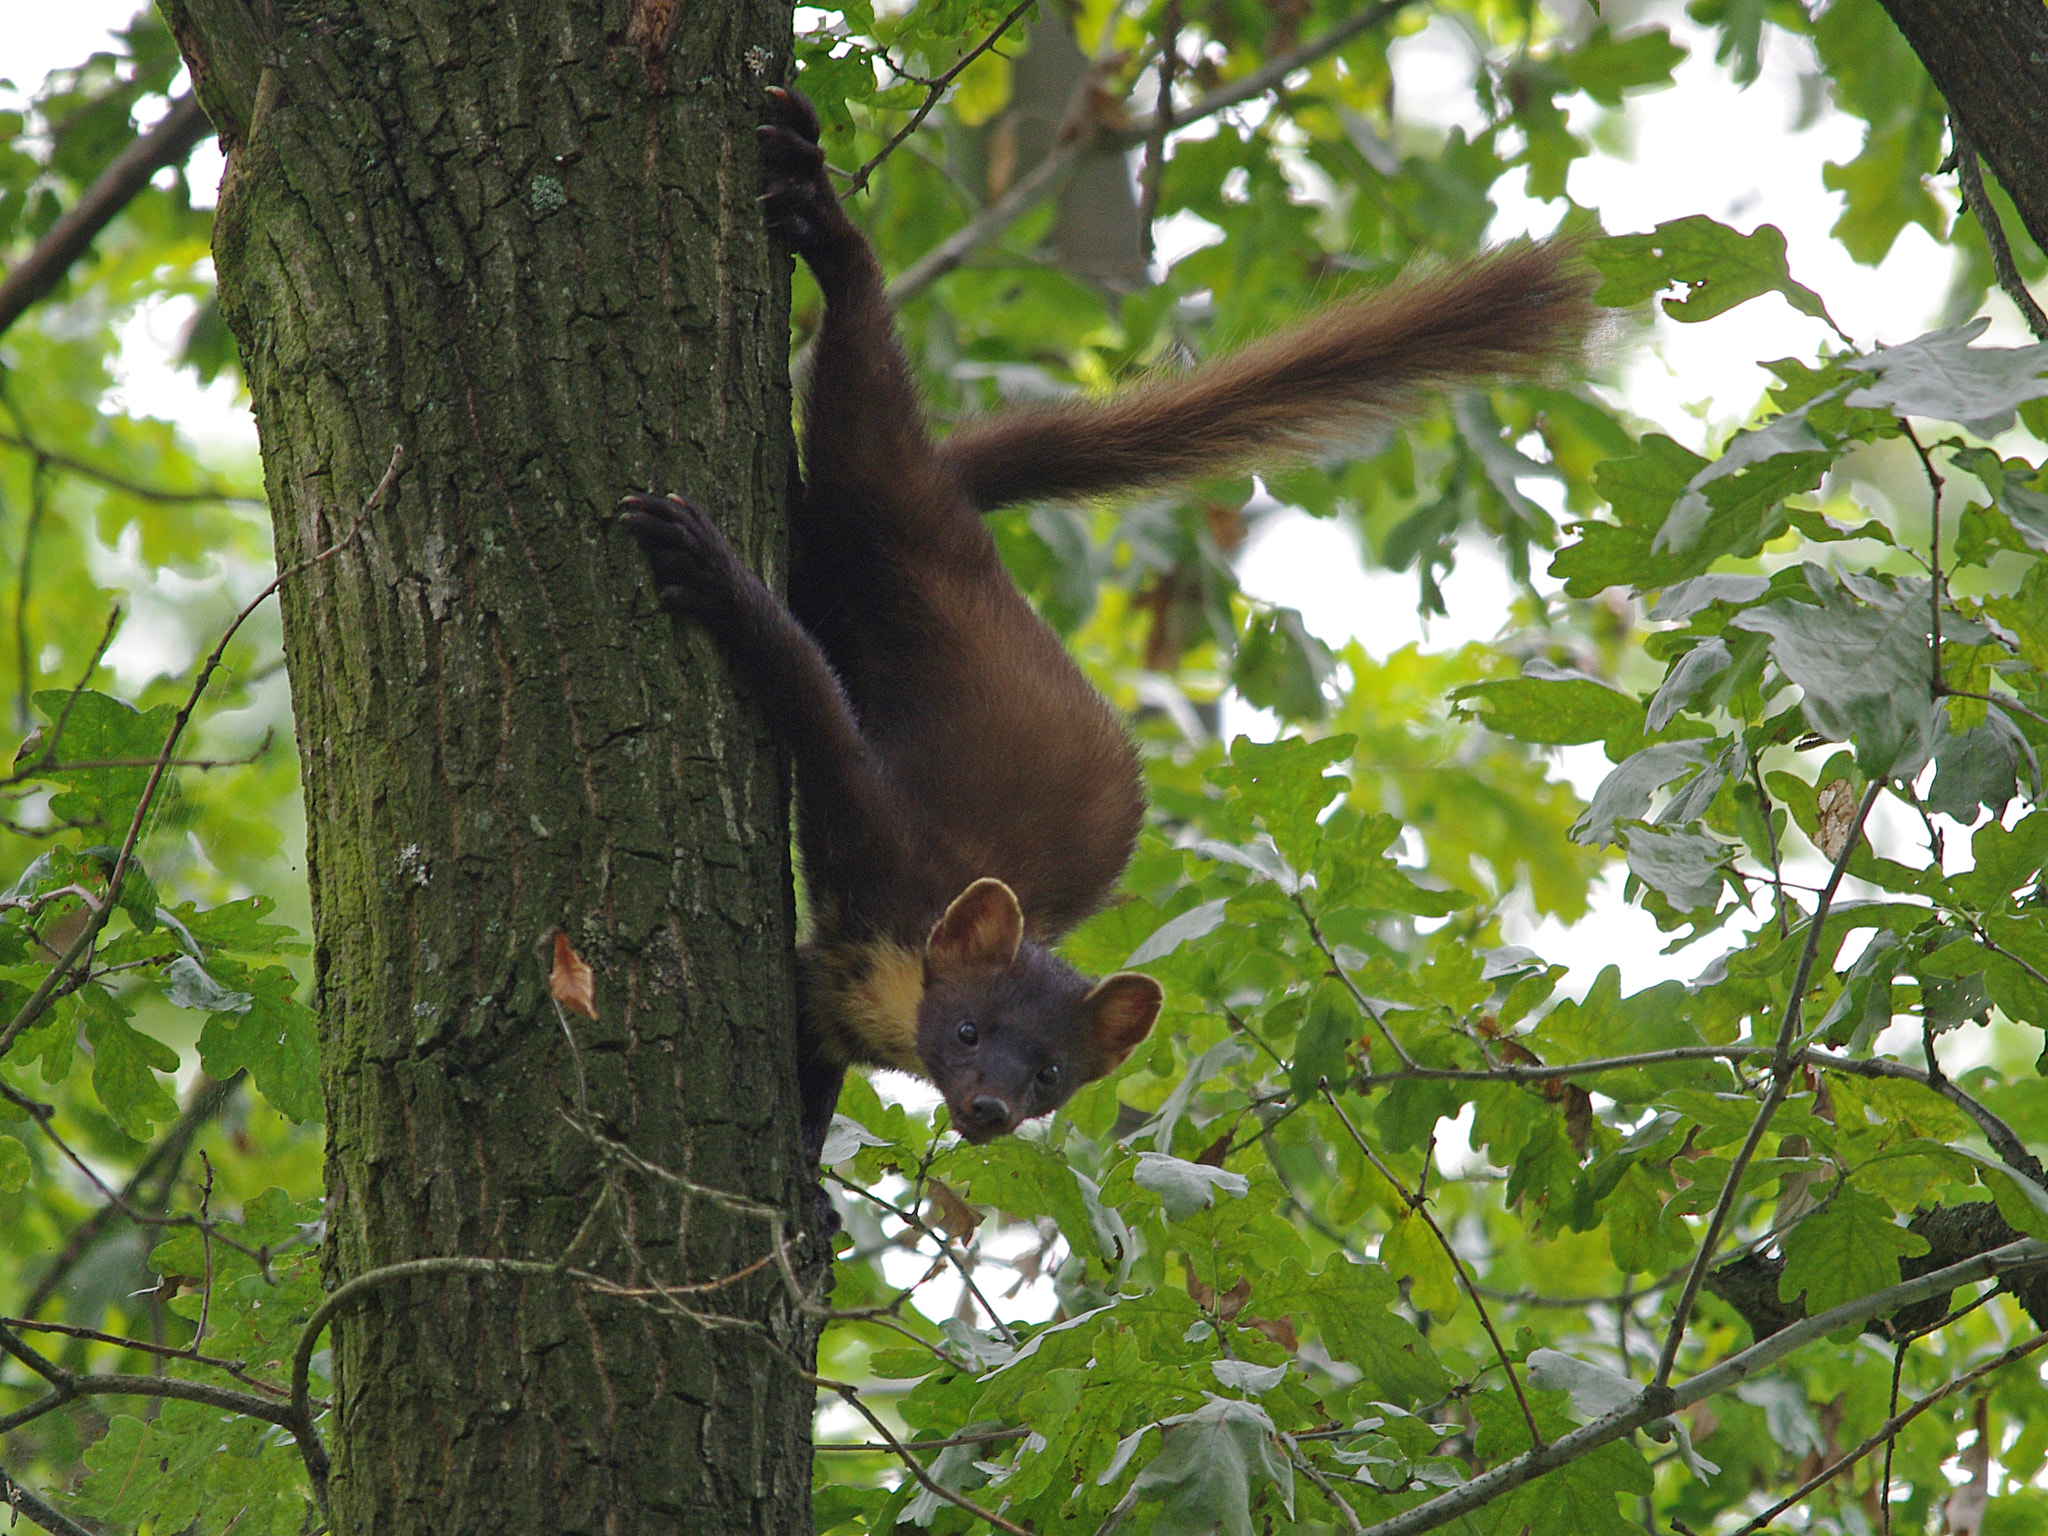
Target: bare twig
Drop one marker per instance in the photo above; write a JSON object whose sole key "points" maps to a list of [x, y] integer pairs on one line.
{"points": [[1273, 72], [1658, 1401], [239, 1369], [850, 1395], [17, 1498], [2005, 1141], [99, 653], [1365, 1004], [204, 764], [43, 1114], [986, 1437], [162, 1163], [2002, 700], [1309, 1470], [1888, 1431], [1414, 1201], [937, 89], [168, 143], [1763, 796], [66, 1385], [125, 486], [32, 1009], [920, 1225], [1782, 1077], [1154, 171], [1971, 177], [24, 656], [1071, 146], [1939, 683]]}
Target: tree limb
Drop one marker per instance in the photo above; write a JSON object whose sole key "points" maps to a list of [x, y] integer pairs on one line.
{"points": [[168, 143], [1989, 58]]}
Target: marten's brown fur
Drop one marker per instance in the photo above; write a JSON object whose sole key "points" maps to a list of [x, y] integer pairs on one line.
{"points": [[964, 795]]}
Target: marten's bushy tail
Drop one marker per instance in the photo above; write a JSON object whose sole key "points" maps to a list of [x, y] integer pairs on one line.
{"points": [[1516, 311]]}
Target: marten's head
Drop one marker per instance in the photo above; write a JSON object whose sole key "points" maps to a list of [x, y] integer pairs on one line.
{"points": [[1006, 1028]]}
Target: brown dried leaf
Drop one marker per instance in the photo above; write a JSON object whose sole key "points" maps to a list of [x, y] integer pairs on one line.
{"points": [[1232, 1301], [1225, 1306], [1578, 1116], [1278, 1329], [570, 982], [1213, 1154], [1836, 803], [954, 1216]]}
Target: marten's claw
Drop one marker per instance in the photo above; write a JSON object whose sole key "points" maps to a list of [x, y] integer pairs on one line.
{"points": [[694, 567], [794, 110]]}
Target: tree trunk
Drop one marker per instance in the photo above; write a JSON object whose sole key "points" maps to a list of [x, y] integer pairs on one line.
{"points": [[1989, 59], [521, 241]]}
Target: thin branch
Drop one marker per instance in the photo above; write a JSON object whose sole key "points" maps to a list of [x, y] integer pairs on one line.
{"points": [[165, 1158], [1117, 1515], [1971, 177], [1886, 1432], [1415, 1203], [204, 764], [99, 654], [1756, 776], [1071, 145], [1939, 683], [937, 89], [43, 1115], [1658, 1401], [850, 1394], [1309, 1470], [24, 655], [2005, 1141], [986, 1437], [917, 1223], [1782, 1074], [1884, 1488], [125, 486], [1272, 73], [1154, 169], [1550, 1072], [235, 1368], [66, 1385], [17, 1498], [1023, 195], [2002, 700], [1365, 1004], [32, 1009], [170, 142]]}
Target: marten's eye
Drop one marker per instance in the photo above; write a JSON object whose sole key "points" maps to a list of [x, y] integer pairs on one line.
{"points": [[1049, 1075], [968, 1033]]}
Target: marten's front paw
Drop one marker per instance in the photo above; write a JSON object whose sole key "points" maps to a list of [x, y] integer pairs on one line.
{"points": [[695, 568], [800, 204]]}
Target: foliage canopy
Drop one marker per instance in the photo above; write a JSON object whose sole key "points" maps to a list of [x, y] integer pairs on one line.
{"points": [[1392, 1215]]}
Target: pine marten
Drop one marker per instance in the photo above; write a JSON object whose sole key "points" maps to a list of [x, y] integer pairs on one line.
{"points": [[964, 795]]}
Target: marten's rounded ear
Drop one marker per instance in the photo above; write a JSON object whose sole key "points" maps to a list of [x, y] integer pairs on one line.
{"points": [[982, 928], [1120, 1012]]}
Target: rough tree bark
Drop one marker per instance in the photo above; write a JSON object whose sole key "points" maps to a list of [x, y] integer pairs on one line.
{"points": [[521, 241], [1989, 59]]}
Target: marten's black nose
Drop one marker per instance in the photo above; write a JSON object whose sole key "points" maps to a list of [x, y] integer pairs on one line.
{"points": [[986, 1112]]}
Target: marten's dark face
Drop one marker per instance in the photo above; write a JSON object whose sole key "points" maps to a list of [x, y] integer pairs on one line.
{"points": [[1006, 1046], [1010, 1044], [1007, 1029]]}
